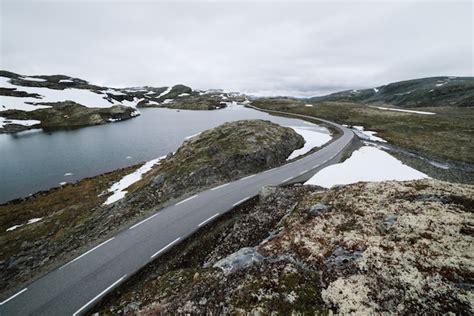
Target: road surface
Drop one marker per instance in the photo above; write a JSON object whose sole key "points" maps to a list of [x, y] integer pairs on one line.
{"points": [[75, 287]]}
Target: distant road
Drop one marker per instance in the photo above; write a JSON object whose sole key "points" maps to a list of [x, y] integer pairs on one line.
{"points": [[75, 287]]}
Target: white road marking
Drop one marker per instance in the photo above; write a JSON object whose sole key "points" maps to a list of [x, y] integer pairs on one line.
{"points": [[241, 201], [207, 220], [166, 247], [303, 172], [13, 296], [248, 177], [99, 295], [221, 186], [189, 198], [85, 253], [290, 178], [143, 221]]}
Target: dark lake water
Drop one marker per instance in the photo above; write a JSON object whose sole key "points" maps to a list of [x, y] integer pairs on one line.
{"points": [[33, 161]]}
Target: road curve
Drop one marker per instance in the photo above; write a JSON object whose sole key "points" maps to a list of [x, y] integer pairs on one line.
{"points": [[75, 287]]}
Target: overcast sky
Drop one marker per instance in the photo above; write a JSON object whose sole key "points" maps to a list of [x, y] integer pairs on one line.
{"points": [[284, 48]]}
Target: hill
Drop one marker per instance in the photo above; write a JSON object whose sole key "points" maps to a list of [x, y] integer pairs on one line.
{"points": [[425, 92]]}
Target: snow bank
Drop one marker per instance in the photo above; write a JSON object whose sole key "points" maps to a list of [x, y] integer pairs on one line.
{"points": [[369, 135], [312, 139], [118, 188], [402, 110], [365, 164], [5, 121]]}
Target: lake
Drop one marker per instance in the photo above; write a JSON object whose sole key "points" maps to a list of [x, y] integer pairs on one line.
{"points": [[34, 160]]}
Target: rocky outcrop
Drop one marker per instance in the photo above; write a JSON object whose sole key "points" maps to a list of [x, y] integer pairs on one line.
{"points": [[216, 156], [63, 115]]}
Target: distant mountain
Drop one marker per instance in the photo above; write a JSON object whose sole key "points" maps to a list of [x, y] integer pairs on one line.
{"points": [[425, 92]]}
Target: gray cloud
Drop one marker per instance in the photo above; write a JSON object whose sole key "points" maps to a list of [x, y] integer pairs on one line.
{"points": [[304, 48]]}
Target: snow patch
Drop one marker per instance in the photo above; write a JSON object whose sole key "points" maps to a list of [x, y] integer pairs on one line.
{"points": [[118, 188], [369, 135], [192, 136], [376, 90], [5, 121], [183, 94], [31, 221], [168, 90], [66, 81], [365, 164], [308, 105], [312, 139], [402, 110], [34, 79], [82, 96]]}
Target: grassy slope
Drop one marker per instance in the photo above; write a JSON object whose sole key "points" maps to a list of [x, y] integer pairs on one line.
{"points": [[446, 135]]}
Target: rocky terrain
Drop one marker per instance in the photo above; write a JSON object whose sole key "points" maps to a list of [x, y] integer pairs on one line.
{"points": [[424, 92], [366, 248], [61, 102], [47, 229]]}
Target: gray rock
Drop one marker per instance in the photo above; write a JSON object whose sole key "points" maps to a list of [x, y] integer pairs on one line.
{"points": [[241, 259], [266, 191], [341, 257], [390, 220], [318, 209], [158, 180]]}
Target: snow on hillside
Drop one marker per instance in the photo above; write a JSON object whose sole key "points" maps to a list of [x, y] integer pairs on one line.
{"points": [[119, 188], [81, 96], [366, 164], [4, 121], [401, 110]]}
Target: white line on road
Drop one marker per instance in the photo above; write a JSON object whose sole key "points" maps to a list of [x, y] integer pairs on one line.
{"points": [[303, 172], [221, 186], [143, 221], [189, 198], [207, 220], [85, 253], [165, 247], [241, 201], [290, 178], [100, 294], [13, 296], [248, 177]]}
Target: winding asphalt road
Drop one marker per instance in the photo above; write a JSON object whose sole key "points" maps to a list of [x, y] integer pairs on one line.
{"points": [[75, 287]]}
